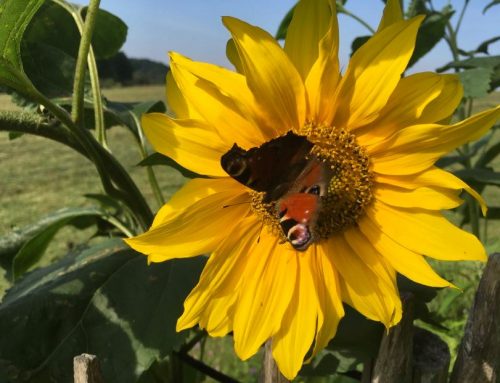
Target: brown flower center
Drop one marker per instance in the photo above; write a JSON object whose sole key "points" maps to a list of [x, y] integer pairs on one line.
{"points": [[347, 188]]}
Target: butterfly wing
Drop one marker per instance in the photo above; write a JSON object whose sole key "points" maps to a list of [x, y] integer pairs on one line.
{"points": [[299, 209], [297, 212], [272, 167]]}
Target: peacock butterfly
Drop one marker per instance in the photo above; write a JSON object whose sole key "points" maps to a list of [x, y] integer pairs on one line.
{"points": [[282, 169]]}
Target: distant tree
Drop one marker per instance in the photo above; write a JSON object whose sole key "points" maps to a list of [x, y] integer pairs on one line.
{"points": [[122, 70]]}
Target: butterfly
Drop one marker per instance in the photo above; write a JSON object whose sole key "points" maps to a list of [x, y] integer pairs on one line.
{"points": [[289, 177]]}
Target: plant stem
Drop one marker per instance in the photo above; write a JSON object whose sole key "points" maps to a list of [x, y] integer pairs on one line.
{"points": [[110, 170], [461, 17], [151, 174], [100, 128], [77, 109], [358, 19]]}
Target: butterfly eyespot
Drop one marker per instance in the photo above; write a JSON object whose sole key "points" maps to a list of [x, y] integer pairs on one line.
{"points": [[299, 237], [236, 167], [315, 189]]}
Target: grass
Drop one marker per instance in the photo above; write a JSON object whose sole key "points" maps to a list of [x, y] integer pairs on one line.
{"points": [[40, 176]]}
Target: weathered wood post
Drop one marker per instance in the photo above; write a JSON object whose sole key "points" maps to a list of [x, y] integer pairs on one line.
{"points": [[431, 358], [86, 369], [270, 372], [394, 359], [478, 359]]}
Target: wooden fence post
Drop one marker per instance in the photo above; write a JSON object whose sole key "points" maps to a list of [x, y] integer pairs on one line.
{"points": [[86, 369], [478, 359], [431, 358], [393, 362], [270, 372]]}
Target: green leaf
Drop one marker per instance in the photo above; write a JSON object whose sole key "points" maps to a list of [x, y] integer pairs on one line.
{"points": [[493, 3], [109, 35], [479, 176], [34, 246], [430, 33], [483, 47], [50, 47], [327, 365], [416, 7], [476, 82], [420, 292], [488, 156], [129, 114], [475, 62], [159, 159], [105, 301], [357, 337], [15, 15], [358, 42], [283, 27]]}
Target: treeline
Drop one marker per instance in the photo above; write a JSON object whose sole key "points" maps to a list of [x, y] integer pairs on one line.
{"points": [[125, 71]]}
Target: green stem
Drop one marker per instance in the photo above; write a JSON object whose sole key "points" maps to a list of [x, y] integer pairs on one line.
{"points": [[119, 225], [110, 170], [358, 19], [25, 122], [81, 63], [461, 17], [100, 128], [153, 181]]}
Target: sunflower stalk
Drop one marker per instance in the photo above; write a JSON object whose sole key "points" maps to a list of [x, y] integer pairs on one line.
{"points": [[153, 181], [114, 178], [77, 109]]}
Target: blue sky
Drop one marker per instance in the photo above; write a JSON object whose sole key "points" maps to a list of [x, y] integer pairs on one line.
{"points": [[194, 28]]}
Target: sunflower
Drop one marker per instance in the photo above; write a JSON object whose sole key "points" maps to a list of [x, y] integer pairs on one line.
{"points": [[316, 187]]}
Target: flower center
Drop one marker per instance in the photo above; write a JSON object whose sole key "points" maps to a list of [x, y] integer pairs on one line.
{"points": [[341, 189]]}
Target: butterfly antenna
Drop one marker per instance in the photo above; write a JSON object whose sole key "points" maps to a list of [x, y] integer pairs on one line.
{"points": [[235, 204]]}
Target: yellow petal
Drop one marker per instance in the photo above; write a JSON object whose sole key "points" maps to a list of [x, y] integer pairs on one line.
{"points": [[308, 26], [270, 75], [220, 276], [412, 102], [197, 230], [217, 319], [298, 327], [443, 106], [423, 197], [232, 55], [373, 73], [221, 97], [266, 290], [193, 191], [392, 14], [426, 232], [416, 148], [176, 101], [374, 295], [433, 177], [328, 288], [190, 143], [404, 261], [322, 80]]}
